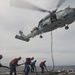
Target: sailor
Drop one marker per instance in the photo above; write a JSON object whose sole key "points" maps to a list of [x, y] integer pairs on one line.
{"points": [[0, 60], [42, 65], [53, 16], [27, 65], [13, 64], [33, 65], [1, 64]]}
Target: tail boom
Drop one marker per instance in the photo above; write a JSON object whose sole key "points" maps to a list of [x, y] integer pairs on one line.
{"points": [[21, 38]]}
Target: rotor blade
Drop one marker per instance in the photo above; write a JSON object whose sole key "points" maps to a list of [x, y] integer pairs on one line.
{"points": [[25, 4], [60, 3]]}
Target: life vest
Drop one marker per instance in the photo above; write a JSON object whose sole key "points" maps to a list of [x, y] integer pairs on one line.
{"points": [[28, 60], [14, 61], [42, 64]]}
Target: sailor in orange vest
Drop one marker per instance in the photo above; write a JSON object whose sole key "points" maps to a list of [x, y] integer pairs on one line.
{"points": [[42, 65], [13, 65]]}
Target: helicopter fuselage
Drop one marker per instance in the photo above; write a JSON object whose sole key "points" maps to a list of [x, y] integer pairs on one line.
{"points": [[64, 17], [51, 22]]}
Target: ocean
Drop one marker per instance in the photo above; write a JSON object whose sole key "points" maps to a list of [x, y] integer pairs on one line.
{"points": [[21, 68]]}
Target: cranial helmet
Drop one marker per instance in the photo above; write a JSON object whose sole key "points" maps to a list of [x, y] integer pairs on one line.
{"points": [[45, 61], [1, 56], [32, 57], [19, 58]]}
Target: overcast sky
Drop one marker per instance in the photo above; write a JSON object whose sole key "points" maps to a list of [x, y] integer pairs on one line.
{"points": [[13, 19]]}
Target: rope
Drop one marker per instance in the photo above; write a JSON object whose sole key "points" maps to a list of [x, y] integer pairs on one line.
{"points": [[51, 55], [52, 51], [36, 71]]}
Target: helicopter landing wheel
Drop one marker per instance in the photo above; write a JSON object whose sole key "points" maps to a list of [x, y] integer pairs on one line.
{"points": [[41, 36], [66, 27]]}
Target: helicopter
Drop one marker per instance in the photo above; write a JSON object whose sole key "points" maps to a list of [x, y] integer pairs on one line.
{"points": [[55, 19]]}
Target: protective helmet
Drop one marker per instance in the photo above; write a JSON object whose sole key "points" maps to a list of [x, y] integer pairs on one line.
{"points": [[44, 60], [1, 56], [32, 57], [35, 60], [19, 57]]}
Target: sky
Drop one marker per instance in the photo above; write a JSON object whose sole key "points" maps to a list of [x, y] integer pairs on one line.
{"points": [[13, 19]]}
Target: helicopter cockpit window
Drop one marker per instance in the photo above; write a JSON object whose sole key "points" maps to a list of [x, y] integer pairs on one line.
{"points": [[40, 23]]}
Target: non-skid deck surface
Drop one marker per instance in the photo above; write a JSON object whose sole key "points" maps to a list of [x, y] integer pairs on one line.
{"points": [[42, 74]]}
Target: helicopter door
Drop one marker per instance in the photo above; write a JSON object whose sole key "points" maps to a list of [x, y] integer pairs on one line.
{"points": [[53, 18]]}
